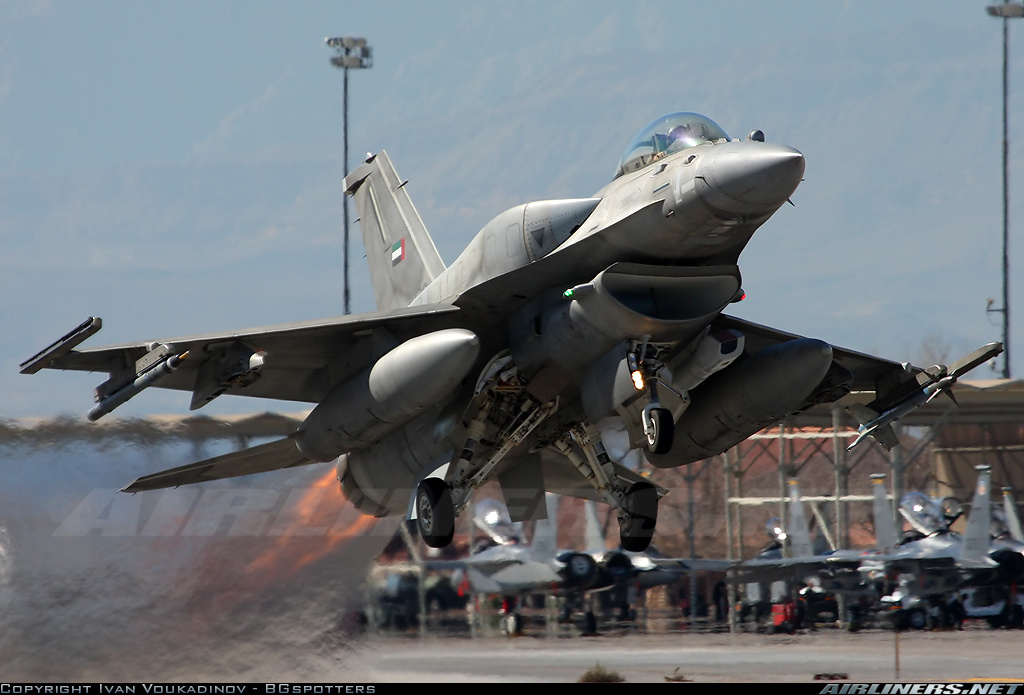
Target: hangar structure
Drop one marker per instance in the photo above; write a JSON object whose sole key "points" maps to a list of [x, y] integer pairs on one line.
{"points": [[944, 440]]}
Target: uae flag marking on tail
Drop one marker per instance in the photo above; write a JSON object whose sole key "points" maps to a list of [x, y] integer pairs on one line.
{"points": [[398, 253]]}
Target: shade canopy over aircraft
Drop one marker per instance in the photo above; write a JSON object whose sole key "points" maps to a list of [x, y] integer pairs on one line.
{"points": [[561, 322]]}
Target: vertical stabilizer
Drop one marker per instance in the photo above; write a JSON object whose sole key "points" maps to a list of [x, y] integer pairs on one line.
{"points": [[799, 532], [885, 522], [977, 541], [1012, 518], [402, 256], [545, 532]]}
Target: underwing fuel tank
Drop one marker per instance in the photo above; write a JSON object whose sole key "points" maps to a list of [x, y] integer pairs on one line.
{"points": [[745, 398], [404, 382]]}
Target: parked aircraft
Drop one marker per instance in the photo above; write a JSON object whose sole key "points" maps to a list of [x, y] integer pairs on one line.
{"points": [[790, 556], [940, 559], [559, 316], [512, 568]]}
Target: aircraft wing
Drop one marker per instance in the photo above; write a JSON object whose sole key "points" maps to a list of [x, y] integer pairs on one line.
{"points": [[923, 563], [297, 361], [870, 373], [774, 570]]}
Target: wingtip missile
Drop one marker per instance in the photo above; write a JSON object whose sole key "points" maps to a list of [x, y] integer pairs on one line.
{"points": [[934, 381]]}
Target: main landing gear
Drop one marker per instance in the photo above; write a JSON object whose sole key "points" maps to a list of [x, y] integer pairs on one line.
{"points": [[635, 501], [435, 512], [502, 401]]}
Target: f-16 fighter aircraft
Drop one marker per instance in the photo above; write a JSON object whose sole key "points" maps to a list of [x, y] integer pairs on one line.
{"points": [[559, 318]]}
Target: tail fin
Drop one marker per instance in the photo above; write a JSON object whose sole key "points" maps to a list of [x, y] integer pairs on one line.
{"points": [[799, 532], [1012, 518], [885, 522], [545, 532], [402, 256], [977, 541]]}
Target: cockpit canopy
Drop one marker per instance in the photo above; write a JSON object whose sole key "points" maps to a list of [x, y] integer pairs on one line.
{"points": [[923, 513], [668, 134]]}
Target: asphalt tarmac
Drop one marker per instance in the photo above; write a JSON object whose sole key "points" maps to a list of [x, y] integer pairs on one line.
{"points": [[865, 657]]}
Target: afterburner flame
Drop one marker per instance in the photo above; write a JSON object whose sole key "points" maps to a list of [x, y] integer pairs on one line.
{"points": [[317, 525]]}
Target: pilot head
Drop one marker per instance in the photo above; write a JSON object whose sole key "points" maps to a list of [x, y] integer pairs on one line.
{"points": [[685, 133]]}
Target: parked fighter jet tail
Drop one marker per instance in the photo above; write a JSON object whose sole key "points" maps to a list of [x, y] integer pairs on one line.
{"points": [[885, 522], [977, 541], [545, 531], [401, 255], [798, 530], [1012, 519]]}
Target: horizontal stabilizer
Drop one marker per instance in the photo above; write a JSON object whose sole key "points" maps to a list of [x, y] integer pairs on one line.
{"points": [[259, 459]]}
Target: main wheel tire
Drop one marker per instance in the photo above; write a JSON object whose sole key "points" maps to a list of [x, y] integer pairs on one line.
{"points": [[641, 503], [659, 439], [435, 512]]}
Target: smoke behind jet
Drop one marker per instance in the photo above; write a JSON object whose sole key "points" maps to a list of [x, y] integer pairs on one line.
{"points": [[255, 579]]}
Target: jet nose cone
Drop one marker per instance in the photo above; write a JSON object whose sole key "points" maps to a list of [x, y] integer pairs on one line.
{"points": [[747, 177]]}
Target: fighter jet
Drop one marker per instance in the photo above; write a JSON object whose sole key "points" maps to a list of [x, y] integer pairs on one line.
{"points": [[941, 559], [790, 556], [560, 318], [512, 567]]}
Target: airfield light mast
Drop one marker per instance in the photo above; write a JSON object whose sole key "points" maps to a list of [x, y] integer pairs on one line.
{"points": [[1006, 10], [350, 52]]}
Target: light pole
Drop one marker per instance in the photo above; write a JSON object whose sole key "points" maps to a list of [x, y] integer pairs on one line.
{"points": [[1006, 10], [350, 52]]}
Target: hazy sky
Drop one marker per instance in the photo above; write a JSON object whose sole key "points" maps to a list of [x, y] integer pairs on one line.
{"points": [[175, 168]]}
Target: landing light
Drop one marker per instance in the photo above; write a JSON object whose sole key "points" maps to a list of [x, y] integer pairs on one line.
{"points": [[638, 380]]}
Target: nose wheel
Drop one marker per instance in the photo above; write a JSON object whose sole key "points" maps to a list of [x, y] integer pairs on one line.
{"points": [[636, 526], [435, 512], [659, 429]]}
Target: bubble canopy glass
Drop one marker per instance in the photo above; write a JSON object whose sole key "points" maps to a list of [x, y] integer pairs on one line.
{"points": [[668, 134]]}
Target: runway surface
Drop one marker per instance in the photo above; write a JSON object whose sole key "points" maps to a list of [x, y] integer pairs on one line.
{"points": [[865, 657]]}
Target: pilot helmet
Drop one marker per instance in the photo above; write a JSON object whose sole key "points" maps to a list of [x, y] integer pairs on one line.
{"points": [[688, 134]]}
